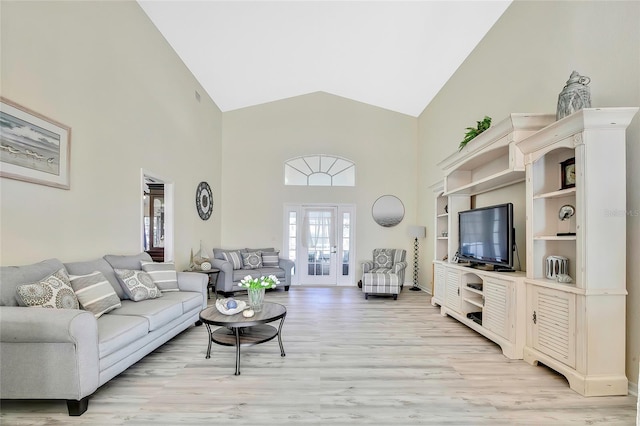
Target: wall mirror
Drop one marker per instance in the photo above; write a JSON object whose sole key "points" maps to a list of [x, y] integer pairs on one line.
{"points": [[388, 211]]}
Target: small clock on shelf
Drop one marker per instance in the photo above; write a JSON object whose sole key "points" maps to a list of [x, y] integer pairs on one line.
{"points": [[568, 173], [204, 200]]}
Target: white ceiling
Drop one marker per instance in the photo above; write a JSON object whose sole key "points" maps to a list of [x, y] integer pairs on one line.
{"points": [[395, 55]]}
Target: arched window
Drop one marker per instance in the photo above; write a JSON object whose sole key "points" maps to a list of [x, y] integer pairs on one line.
{"points": [[319, 170]]}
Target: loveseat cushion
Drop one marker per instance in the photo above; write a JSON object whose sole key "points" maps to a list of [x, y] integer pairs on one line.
{"points": [[12, 276], [117, 331], [278, 272], [100, 265], [158, 312]]}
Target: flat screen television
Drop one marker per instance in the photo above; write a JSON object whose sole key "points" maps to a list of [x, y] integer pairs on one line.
{"points": [[486, 236]]}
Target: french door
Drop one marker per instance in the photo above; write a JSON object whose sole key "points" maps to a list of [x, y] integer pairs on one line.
{"points": [[319, 238]]}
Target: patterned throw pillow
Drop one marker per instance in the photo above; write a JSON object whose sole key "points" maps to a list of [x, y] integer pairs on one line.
{"points": [[252, 260], [138, 285], [163, 274], [383, 258], [95, 293], [53, 291], [270, 259], [233, 257]]}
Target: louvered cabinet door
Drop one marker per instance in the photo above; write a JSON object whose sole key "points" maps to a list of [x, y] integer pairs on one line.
{"points": [[439, 285], [495, 315], [452, 297], [553, 319]]}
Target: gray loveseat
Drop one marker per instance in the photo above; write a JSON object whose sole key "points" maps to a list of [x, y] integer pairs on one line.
{"points": [[69, 353], [231, 273]]}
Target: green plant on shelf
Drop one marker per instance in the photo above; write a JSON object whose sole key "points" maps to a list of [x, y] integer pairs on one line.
{"points": [[473, 132]]}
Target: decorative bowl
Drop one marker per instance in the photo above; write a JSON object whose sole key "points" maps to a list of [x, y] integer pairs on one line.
{"points": [[221, 306]]}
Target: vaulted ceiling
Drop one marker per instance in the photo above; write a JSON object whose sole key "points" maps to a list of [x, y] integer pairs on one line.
{"points": [[395, 55]]}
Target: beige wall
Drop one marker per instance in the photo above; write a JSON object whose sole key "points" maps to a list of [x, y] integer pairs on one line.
{"points": [[520, 66], [258, 140], [104, 70]]}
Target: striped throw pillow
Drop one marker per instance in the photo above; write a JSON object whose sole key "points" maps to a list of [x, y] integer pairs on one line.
{"points": [[233, 257], [270, 259], [94, 293], [163, 274]]}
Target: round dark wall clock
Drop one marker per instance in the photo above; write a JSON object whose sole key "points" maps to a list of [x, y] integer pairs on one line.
{"points": [[204, 200]]}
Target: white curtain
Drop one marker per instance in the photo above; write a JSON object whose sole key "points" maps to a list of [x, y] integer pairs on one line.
{"points": [[318, 226]]}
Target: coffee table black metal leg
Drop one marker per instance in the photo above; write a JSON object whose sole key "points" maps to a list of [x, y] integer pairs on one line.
{"points": [[210, 339], [280, 337], [237, 330]]}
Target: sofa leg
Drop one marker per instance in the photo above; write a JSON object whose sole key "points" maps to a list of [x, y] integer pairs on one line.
{"points": [[366, 296], [77, 408], [395, 297], [286, 288]]}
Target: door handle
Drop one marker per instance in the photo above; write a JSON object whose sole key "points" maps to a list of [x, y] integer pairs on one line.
{"points": [[333, 250]]}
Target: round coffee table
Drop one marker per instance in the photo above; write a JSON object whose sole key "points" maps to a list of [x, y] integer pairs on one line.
{"points": [[240, 331]]}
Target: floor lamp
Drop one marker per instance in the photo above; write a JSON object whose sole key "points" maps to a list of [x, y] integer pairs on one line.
{"points": [[416, 232]]}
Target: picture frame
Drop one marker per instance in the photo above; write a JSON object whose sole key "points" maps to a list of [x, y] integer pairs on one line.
{"points": [[568, 173], [33, 148]]}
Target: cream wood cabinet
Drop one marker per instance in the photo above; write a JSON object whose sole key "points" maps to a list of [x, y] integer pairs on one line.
{"points": [[578, 328], [485, 301], [439, 284], [452, 290]]}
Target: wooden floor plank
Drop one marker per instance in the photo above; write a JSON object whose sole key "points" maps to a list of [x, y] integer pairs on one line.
{"points": [[349, 361]]}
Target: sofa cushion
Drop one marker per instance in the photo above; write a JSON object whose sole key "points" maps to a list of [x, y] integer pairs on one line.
{"points": [[278, 272], [128, 261], [189, 299], [270, 259], [53, 291], [234, 257], [157, 312], [13, 276], [383, 258], [95, 293], [252, 259], [117, 331], [163, 274], [239, 274], [101, 265], [137, 284]]}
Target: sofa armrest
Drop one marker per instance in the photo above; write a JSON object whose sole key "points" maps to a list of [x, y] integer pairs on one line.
{"points": [[225, 276], [367, 266], [62, 343], [39, 325], [194, 281], [399, 266]]}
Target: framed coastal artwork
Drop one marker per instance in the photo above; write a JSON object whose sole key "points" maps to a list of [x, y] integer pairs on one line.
{"points": [[33, 148]]}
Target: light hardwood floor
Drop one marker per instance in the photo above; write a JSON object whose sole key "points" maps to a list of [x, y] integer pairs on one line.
{"points": [[349, 361]]}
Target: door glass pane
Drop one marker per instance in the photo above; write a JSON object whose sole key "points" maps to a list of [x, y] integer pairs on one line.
{"points": [[319, 227], [346, 230], [293, 236]]}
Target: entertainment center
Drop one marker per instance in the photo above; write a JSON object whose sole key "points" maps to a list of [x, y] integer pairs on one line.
{"points": [[575, 178]]}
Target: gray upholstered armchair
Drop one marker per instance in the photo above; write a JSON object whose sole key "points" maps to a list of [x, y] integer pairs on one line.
{"points": [[385, 273]]}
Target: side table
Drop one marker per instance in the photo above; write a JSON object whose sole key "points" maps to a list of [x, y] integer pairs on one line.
{"points": [[213, 278]]}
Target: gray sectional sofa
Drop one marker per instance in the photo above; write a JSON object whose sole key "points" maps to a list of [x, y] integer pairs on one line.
{"points": [[69, 353], [231, 273]]}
